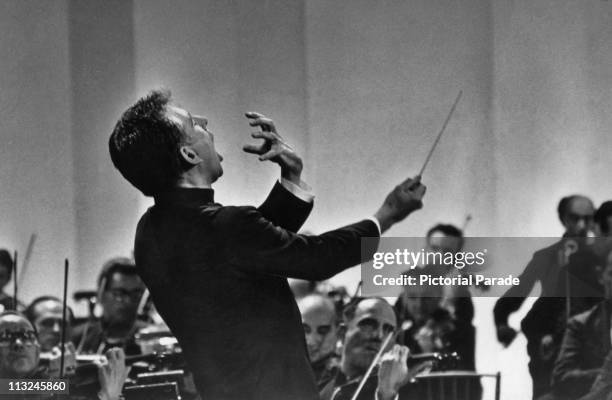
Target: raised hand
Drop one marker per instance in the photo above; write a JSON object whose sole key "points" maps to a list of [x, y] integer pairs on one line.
{"points": [[403, 200], [274, 148]]}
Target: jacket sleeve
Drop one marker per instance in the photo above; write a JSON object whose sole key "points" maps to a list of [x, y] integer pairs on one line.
{"points": [[568, 377], [284, 209], [256, 244], [515, 296]]}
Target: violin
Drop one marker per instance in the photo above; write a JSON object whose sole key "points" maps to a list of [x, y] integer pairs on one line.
{"points": [[439, 362]]}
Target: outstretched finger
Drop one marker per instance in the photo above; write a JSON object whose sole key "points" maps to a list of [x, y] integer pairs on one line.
{"points": [[269, 155], [254, 148], [253, 114], [266, 124], [264, 135]]}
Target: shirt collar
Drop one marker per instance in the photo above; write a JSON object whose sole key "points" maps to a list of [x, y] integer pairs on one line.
{"points": [[187, 197]]}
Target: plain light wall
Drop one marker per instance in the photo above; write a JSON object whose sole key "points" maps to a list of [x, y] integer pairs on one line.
{"points": [[37, 170], [552, 101], [102, 86]]}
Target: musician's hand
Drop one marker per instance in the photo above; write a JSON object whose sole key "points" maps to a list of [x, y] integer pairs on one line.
{"points": [[547, 347], [403, 200], [393, 372], [69, 361], [274, 148], [112, 374], [505, 335]]}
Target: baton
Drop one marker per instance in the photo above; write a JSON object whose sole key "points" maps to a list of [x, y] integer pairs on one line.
{"points": [[433, 147]]}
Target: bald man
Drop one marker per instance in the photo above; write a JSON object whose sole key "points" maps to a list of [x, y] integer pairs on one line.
{"points": [[367, 323], [320, 323], [20, 359], [576, 215]]}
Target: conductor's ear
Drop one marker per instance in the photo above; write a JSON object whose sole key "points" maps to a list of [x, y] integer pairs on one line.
{"points": [[189, 155]]}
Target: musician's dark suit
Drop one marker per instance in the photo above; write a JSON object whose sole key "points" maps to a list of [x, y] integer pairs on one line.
{"points": [[545, 268], [584, 349], [218, 278]]}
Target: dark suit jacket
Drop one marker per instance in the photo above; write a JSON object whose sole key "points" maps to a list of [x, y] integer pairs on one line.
{"points": [[218, 274], [544, 268], [585, 346]]}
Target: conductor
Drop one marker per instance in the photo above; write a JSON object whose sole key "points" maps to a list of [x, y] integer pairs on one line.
{"points": [[217, 274]]}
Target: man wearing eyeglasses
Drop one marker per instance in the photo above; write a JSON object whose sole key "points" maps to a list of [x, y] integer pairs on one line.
{"points": [[119, 292], [20, 359]]}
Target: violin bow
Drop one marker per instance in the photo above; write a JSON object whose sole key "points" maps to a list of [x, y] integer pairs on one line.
{"points": [[63, 333], [26, 258], [374, 362], [15, 280]]}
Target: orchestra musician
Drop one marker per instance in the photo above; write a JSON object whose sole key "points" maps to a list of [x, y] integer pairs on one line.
{"points": [[321, 328], [20, 359], [603, 219], [218, 274], [6, 274], [366, 323], [417, 304], [45, 314], [586, 347], [576, 214], [119, 292]]}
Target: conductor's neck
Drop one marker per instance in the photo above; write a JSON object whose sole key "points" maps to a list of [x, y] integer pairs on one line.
{"points": [[194, 180]]}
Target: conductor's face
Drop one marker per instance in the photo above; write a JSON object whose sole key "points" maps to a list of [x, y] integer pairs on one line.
{"points": [[373, 321], [199, 147]]}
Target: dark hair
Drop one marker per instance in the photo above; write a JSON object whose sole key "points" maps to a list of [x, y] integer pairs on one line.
{"points": [[7, 261], [448, 230], [144, 145], [118, 265], [601, 216], [565, 202], [440, 315], [30, 311], [349, 310]]}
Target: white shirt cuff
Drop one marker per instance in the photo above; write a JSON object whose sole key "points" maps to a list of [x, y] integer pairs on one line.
{"points": [[375, 220], [302, 191]]}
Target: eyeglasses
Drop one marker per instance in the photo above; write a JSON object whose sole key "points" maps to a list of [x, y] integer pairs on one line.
{"points": [[28, 338], [123, 294]]}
